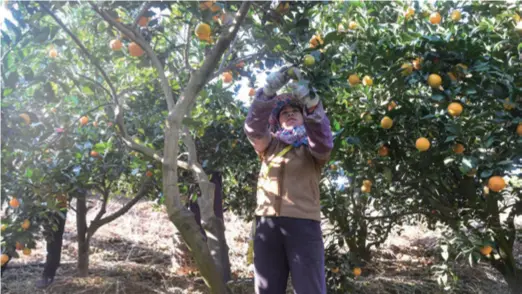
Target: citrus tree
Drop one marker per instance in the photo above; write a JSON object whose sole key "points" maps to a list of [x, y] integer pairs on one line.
{"points": [[425, 105]]}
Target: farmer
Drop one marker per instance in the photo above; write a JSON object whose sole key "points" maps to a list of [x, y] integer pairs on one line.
{"points": [[291, 134]]}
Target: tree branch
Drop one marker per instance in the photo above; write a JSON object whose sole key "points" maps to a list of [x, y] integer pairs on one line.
{"points": [[136, 37], [187, 47], [141, 193], [229, 51], [103, 209], [118, 111], [232, 64], [201, 76]]}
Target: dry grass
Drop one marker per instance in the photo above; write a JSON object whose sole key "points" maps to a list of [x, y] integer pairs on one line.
{"points": [[133, 255]]}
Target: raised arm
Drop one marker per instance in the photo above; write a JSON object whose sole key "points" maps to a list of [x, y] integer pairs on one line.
{"points": [[256, 123], [320, 138]]}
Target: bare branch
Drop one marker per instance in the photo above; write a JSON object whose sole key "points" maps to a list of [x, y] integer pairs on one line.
{"points": [[229, 51], [232, 64], [141, 193], [97, 83], [103, 209], [187, 47]]}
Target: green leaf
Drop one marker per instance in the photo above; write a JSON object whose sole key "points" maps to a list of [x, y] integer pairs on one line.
{"points": [[486, 173]]}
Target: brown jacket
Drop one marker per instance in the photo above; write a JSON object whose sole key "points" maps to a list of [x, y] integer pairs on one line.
{"points": [[291, 187]]}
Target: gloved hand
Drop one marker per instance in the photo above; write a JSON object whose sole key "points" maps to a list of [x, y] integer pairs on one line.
{"points": [[275, 81], [301, 91]]}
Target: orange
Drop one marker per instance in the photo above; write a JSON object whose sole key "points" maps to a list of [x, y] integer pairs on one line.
{"points": [[422, 144], [409, 12], [14, 203], [5, 259], [215, 8], [94, 154], [241, 64], [203, 31], [417, 63], [392, 105], [383, 151], [116, 45], [283, 8], [455, 15], [455, 109], [315, 41], [205, 5], [434, 80], [519, 129], [486, 250], [507, 104], [367, 183], [84, 120], [366, 189], [135, 50], [354, 80], [26, 118], [26, 224], [95, 124], [407, 69], [435, 18], [367, 81], [335, 270], [149, 174], [357, 271], [19, 246], [143, 21], [53, 53], [352, 25], [252, 92], [227, 77], [458, 148], [386, 122], [496, 183], [27, 251]]}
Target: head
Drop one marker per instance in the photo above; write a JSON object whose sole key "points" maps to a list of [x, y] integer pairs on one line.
{"points": [[290, 116], [286, 114]]}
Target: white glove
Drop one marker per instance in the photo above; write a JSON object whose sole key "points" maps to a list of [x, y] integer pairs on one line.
{"points": [[301, 91], [274, 82]]}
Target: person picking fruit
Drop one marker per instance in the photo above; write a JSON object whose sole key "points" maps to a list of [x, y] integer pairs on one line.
{"points": [[291, 134]]}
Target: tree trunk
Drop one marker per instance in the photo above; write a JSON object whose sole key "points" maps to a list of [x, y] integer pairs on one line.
{"points": [[83, 243], [217, 180], [514, 281], [190, 231]]}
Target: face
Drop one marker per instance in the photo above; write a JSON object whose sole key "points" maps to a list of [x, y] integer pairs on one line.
{"points": [[290, 117]]}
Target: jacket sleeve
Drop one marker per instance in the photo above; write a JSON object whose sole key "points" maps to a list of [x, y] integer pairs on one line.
{"points": [[256, 125], [320, 138]]}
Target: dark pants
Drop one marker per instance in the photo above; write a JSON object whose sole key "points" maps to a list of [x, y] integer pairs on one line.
{"points": [[284, 245], [54, 245]]}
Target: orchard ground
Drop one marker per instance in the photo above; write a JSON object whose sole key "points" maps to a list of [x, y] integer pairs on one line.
{"points": [[133, 255]]}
